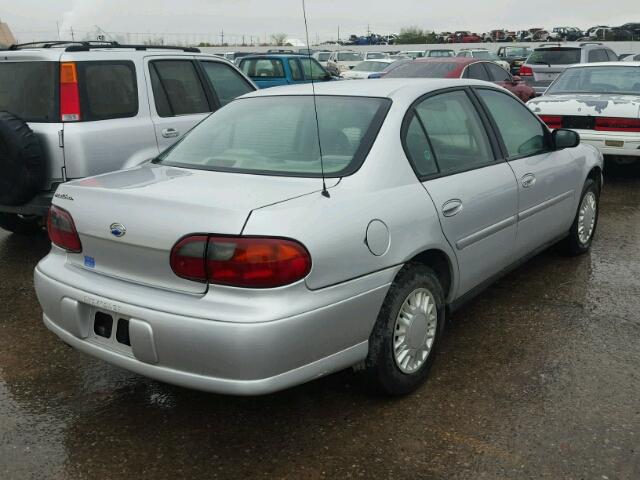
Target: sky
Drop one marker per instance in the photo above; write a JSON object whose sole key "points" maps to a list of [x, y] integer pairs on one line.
{"points": [[190, 21]]}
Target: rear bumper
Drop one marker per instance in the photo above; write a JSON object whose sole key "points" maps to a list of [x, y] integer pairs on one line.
{"points": [[205, 348], [612, 143]]}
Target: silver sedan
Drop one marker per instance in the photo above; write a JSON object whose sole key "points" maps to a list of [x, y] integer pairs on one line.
{"points": [[289, 236]]}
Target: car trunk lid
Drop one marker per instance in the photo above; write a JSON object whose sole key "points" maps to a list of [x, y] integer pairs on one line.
{"points": [[129, 221]]}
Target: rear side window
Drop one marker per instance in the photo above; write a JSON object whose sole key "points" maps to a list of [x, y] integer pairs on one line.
{"points": [[312, 69], [296, 73], [418, 149], [455, 132], [30, 90], [108, 90], [497, 73], [598, 56], [177, 88], [477, 72], [555, 56], [522, 134], [263, 68], [227, 82]]}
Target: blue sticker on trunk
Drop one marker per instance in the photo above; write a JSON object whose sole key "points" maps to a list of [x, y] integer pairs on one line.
{"points": [[89, 262]]}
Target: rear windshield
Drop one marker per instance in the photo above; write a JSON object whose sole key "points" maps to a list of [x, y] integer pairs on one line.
{"points": [[616, 80], [30, 90], [440, 53], [555, 56], [349, 57], [278, 136], [423, 70], [376, 55]]}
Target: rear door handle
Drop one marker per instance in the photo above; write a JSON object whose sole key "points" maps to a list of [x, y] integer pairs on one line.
{"points": [[529, 180], [452, 207], [170, 133]]}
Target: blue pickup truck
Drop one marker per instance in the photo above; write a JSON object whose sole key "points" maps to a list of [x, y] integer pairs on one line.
{"points": [[272, 70]]}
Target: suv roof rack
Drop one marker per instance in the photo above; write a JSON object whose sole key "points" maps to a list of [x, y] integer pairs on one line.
{"points": [[85, 46], [590, 43]]}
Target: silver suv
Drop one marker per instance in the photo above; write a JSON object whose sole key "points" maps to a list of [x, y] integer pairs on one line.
{"points": [[70, 110], [547, 62]]}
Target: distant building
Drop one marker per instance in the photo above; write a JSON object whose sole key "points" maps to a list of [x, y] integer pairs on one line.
{"points": [[6, 37]]}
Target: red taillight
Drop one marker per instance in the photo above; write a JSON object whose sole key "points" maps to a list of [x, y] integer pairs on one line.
{"points": [[525, 71], [552, 121], [62, 230], [247, 262], [613, 124], [69, 95]]}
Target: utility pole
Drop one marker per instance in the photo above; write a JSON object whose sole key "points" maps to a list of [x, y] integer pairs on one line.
{"points": [[58, 29], [72, 35], [338, 33], [222, 37]]}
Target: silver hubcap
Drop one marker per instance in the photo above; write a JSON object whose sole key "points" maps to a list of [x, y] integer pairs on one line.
{"points": [[587, 217], [415, 330]]}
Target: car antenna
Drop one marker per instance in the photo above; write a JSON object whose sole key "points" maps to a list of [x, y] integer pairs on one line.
{"points": [[325, 192]]}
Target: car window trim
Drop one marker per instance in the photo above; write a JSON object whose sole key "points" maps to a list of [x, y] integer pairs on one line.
{"points": [[84, 94], [498, 156], [199, 75], [239, 72], [496, 130], [209, 91]]}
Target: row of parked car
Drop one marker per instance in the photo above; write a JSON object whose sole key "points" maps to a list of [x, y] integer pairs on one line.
{"points": [[292, 232]]}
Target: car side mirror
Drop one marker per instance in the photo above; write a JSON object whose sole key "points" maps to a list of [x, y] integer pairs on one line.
{"points": [[563, 138]]}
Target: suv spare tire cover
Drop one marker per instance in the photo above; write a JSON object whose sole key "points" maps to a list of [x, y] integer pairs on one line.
{"points": [[23, 168]]}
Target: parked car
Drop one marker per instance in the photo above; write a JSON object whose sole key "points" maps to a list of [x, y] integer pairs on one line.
{"points": [[536, 35], [484, 54], [460, 67], [375, 56], [367, 69], [498, 36], [322, 58], [390, 67], [439, 52], [566, 34], [75, 109], [277, 70], [276, 274], [515, 56], [632, 58], [464, 37], [236, 56], [342, 60], [600, 101], [413, 53], [547, 62]]}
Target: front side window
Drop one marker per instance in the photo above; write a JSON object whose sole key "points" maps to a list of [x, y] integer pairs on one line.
{"points": [[282, 138], [598, 56], [30, 90], [262, 68], [455, 132], [177, 89], [598, 79], [226, 82], [523, 135]]}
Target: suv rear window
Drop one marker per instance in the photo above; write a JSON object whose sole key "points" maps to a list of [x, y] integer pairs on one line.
{"points": [[108, 90], [279, 136], [30, 90], [554, 56]]}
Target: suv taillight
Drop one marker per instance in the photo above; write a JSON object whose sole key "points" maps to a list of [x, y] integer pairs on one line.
{"points": [[69, 95], [525, 71], [62, 230], [247, 262]]}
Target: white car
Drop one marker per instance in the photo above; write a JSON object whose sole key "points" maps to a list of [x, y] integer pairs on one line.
{"points": [[364, 69], [322, 58], [601, 101], [343, 60], [375, 56], [484, 54], [632, 58]]}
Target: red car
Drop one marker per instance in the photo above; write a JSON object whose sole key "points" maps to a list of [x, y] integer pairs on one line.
{"points": [[462, 67], [464, 37]]}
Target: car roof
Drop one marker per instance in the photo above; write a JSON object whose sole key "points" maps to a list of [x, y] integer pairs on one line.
{"points": [[275, 55], [55, 54], [605, 64], [384, 88], [380, 60]]}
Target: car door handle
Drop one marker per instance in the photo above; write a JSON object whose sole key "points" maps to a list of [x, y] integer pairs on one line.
{"points": [[170, 133], [529, 180], [452, 207]]}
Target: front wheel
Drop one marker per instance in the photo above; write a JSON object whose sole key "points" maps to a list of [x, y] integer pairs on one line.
{"points": [[586, 220], [407, 332]]}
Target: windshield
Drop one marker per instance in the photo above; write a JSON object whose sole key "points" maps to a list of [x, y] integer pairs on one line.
{"points": [[620, 80], [376, 55], [555, 56], [278, 135], [30, 90], [423, 70], [485, 55], [370, 66], [518, 52], [349, 57]]}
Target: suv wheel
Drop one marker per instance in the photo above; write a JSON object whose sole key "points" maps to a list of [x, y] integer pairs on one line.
{"points": [[586, 220], [20, 224], [407, 332]]}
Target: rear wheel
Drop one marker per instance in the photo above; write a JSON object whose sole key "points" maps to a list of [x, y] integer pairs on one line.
{"points": [[21, 224], [407, 332], [586, 220]]}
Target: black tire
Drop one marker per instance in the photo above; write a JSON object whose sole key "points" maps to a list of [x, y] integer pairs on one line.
{"points": [[572, 244], [21, 225], [22, 163], [381, 371]]}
